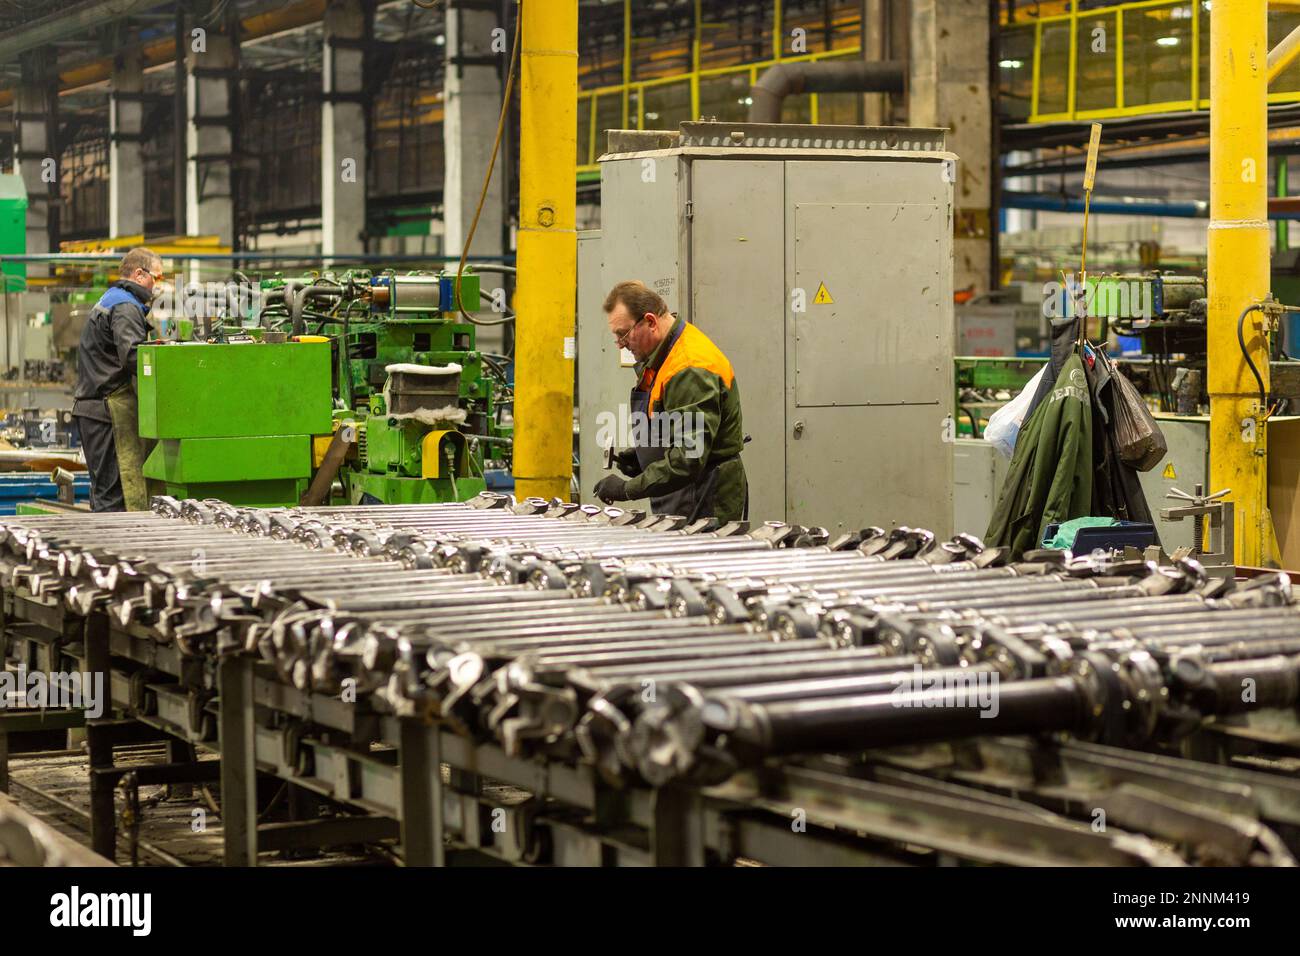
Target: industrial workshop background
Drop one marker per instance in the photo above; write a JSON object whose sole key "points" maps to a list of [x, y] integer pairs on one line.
{"points": [[975, 547]]}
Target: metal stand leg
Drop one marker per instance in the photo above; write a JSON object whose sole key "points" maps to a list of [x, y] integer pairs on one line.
{"points": [[674, 839], [238, 767], [421, 775], [179, 751], [97, 658], [103, 812]]}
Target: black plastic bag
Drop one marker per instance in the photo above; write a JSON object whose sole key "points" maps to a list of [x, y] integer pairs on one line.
{"points": [[1141, 443]]}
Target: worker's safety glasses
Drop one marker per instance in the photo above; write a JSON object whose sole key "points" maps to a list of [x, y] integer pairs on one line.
{"points": [[621, 339]]}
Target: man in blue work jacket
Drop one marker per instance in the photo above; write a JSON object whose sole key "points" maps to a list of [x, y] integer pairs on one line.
{"points": [[104, 402]]}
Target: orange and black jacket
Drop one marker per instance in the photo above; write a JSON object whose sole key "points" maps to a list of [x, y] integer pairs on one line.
{"points": [[692, 467]]}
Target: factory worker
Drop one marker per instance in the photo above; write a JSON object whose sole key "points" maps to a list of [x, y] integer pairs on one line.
{"points": [[686, 420], [105, 403]]}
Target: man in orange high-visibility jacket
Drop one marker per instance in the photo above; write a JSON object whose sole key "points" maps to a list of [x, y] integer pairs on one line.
{"points": [[685, 410]]}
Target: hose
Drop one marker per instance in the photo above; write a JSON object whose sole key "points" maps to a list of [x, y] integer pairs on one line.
{"points": [[1241, 341]]}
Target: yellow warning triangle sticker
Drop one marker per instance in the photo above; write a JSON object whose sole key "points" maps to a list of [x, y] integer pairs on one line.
{"points": [[823, 296], [1169, 471]]}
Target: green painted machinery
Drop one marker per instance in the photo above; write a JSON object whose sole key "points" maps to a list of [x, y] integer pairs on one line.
{"points": [[13, 229], [407, 374], [233, 421]]}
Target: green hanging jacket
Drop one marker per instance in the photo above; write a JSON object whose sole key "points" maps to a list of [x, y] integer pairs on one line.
{"points": [[1050, 479]]}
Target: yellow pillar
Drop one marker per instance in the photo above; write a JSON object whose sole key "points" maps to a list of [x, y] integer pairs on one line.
{"points": [[1239, 266], [548, 250]]}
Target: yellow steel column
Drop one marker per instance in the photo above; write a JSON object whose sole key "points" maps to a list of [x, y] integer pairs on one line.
{"points": [[1239, 266], [548, 250]]}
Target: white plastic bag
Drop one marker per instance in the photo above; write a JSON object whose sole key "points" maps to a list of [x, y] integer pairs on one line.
{"points": [[1004, 424]]}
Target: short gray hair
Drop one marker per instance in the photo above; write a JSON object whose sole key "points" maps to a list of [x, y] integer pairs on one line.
{"points": [[139, 258]]}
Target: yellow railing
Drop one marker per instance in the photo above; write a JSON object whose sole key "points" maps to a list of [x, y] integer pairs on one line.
{"points": [[723, 92], [1127, 59], [664, 101]]}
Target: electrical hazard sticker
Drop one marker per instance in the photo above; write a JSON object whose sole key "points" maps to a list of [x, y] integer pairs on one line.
{"points": [[823, 296], [1169, 472]]}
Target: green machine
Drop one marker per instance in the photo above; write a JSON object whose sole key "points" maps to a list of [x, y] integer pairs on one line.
{"points": [[354, 388], [407, 375], [233, 421], [13, 229]]}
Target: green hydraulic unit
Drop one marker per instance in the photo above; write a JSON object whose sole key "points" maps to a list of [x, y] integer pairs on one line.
{"points": [[407, 374], [234, 421]]}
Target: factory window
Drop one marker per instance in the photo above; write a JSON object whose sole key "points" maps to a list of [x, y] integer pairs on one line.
{"points": [[281, 134], [822, 25], [406, 156], [1158, 55], [667, 104], [839, 109], [600, 46], [83, 181], [661, 38], [160, 173], [725, 96], [1054, 68], [735, 33], [1015, 72], [797, 109], [609, 115], [584, 131], [1096, 49]]}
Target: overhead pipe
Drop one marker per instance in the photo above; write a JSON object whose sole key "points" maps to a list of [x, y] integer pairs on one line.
{"points": [[1123, 205], [787, 79]]}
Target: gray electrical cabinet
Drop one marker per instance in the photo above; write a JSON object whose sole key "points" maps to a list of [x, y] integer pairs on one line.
{"points": [[819, 259]]}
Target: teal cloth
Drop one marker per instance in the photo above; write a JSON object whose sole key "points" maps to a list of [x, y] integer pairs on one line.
{"points": [[1068, 530]]}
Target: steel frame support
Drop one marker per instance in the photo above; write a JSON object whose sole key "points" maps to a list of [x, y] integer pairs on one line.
{"points": [[238, 765], [422, 824]]}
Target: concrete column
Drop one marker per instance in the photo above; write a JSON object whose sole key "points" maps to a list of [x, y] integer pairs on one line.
{"points": [[950, 86], [209, 179], [125, 169], [470, 111], [343, 129], [874, 45], [36, 159], [473, 104]]}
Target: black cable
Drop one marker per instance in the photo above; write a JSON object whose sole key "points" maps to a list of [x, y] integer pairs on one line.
{"points": [[1241, 341]]}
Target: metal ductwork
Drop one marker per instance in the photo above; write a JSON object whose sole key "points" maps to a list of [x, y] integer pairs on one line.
{"points": [[785, 79]]}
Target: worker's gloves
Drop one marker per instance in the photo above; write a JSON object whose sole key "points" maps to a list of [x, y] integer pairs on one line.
{"points": [[611, 488], [627, 462]]}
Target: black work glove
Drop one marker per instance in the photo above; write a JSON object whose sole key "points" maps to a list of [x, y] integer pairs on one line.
{"points": [[611, 488], [627, 462]]}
